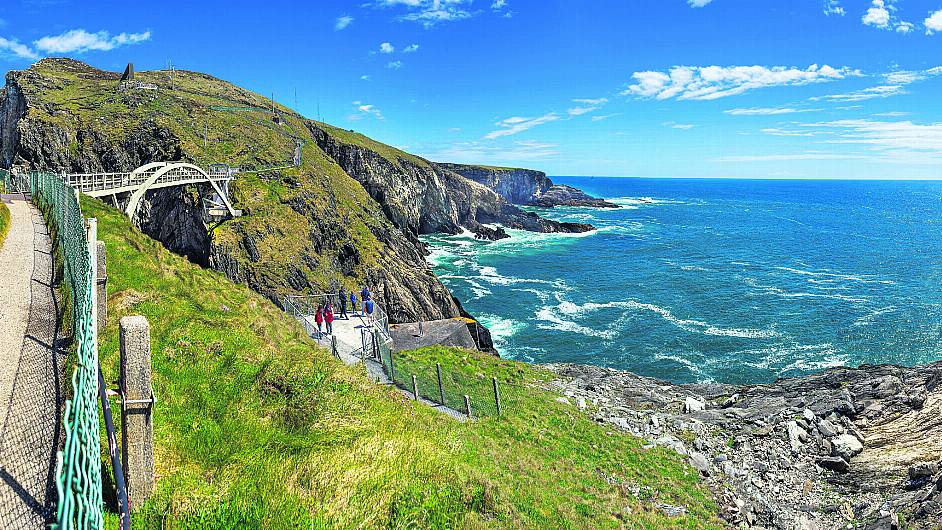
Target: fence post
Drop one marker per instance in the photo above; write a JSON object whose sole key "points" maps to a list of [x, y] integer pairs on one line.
{"points": [[415, 388], [333, 346], [392, 367], [137, 431], [441, 387], [101, 286], [467, 406], [376, 352], [496, 395]]}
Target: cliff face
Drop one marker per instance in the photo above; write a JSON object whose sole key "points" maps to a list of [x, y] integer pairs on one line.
{"points": [[307, 229], [517, 186], [420, 197], [844, 448], [526, 186]]}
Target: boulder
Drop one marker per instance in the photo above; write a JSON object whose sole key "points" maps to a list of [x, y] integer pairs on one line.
{"points": [[846, 446], [833, 463], [692, 404]]}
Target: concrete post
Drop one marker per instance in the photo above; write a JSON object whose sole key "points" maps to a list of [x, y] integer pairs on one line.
{"points": [[101, 287], [415, 388], [137, 410], [467, 406]]}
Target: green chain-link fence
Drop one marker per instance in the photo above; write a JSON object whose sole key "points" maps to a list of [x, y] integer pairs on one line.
{"points": [[444, 387], [78, 465]]}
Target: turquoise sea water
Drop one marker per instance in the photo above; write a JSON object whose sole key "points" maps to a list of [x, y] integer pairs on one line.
{"points": [[734, 281]]}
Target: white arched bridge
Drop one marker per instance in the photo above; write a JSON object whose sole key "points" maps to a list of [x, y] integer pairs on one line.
{"points": [[135, 184]]}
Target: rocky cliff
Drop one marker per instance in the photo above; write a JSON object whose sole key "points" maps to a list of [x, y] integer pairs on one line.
{"points": [[526, 186], [306, 229], [420, 197], [844, 448]]}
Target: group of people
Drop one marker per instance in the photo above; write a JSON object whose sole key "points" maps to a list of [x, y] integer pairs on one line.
{"points": [[325, 315]]}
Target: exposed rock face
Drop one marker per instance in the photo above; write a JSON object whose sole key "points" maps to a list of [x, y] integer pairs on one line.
{"points": [[847, 448], [562, 195], [422, 198], [526, 186], [328, 244]]}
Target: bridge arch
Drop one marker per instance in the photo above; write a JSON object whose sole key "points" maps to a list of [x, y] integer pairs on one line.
{"points": [[168, 174]]}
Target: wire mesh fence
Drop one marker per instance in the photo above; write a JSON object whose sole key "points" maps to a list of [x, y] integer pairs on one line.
{"points": [[470, 394], [78, 465]]}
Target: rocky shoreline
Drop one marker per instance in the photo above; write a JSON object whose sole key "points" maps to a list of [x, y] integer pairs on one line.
{"points": [[843, 448]]}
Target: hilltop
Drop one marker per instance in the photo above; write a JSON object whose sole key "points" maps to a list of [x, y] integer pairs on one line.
{"points": [[349, 215]]}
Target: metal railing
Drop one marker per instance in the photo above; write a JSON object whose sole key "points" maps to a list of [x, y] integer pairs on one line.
{"points": [[469, 394], [78, 465]]}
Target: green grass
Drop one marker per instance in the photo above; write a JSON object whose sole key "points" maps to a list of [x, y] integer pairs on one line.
{"points": [[257, 427], [4, 222]]}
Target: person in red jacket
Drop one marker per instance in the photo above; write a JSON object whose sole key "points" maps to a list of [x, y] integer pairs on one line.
{"points": [[319, 318], [329, 318]]}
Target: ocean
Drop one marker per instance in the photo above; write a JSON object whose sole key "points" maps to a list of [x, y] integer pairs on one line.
{"points": [[728, 281]]}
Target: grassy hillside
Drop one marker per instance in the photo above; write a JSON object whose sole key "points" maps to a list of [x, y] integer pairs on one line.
{"points": [[255, 426], [297, 221], [4, 222]]}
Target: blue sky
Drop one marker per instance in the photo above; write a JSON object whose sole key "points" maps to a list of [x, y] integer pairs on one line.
{"points": [[658, 88]]}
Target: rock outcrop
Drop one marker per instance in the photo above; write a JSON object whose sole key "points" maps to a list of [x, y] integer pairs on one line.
{"points": [[422, 198], [845, 448], [305, 229], [526, 186]]}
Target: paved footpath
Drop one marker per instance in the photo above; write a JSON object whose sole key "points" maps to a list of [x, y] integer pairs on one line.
{"points": [[349, 348], [31, 368]]}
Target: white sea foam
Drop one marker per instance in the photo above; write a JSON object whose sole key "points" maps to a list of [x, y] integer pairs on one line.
{"points": [[571, 309], [833, 276], [547, 314], [868, 319]]}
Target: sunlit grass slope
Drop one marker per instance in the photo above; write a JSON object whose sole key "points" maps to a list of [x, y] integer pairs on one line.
{"points": [[256, 427]]}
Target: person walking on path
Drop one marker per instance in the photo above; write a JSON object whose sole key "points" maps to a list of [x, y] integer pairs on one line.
{"points": [[366, 296], [319, 318], [329, 318], [353, 303], [342, 297]]}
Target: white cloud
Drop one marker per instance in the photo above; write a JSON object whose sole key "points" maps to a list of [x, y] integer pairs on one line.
{"points": [[810, 155], [386, 48], [517, 124], [766, 111], [933, 22], [786, 132], [881, 14], [882, 91], [394, 65], [498, 5], [589, 105], [485, 153], [16, 49], [594, 102], [605, 117], [429, 12], [878, 15], [698, 3], [894, 114], [365, 77], [681, 126], [833, 7], [80, 41], [888, 140], [412, 48], [364, 110], [342, 22], [895, 84], [714, 82]]}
